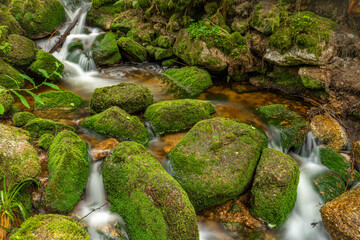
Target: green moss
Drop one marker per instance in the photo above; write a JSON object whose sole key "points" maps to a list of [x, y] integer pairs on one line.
{"points": [[335, 162], [214, 167], [311, 82], [45, 141], [75, 45], [275, 186], [102, 16], [133, 50], [47, 62], [6, 100], [329, 186], [20, 119], [126, 20], [38, 17], [68, 172], [99, 3], [105, 50], [267, 21], [6, 19], [161, 53], [192, 80], [169, 62], [59, 100], [292, 127], [50, 226], [9, 76], [285, 79], [164, 42], [22, 50], [151, 51], [151, 202], [115, 122], [38, 126], [177, 115]]}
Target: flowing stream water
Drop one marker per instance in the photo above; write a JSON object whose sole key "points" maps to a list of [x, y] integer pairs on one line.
{"points": [[235, 101]]}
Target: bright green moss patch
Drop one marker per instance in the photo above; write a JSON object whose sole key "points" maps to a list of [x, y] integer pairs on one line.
{"points": [[275, 186], [20, 119], [45, 141], [9, 76], [8, 20], [169, 62], [105, 50], [192, 80], [59, 100], [99, 3], [40, 126], [6, 100], [22, 50], [115, 122], [152, 203], [329, 186], [132, 50], [68, 172], [286, 79], [312, 83], [50, 226], [161, 53], [164, 42], [267, 21], [177, 115], [47, 62], [216, 160]]}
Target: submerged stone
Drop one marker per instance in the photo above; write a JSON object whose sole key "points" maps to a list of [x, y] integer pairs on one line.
{"points": [[177, 115], [22, 50], [58, 100], [275, 186], [20, 119], [40, 126], [132, 50], [68, 172], [216, 160], [115, 122], [105, 50], [152, 204], [329, 186], [49, 63]]}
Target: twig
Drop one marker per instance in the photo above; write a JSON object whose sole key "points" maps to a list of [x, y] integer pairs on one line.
{"points": [[95, 209]]}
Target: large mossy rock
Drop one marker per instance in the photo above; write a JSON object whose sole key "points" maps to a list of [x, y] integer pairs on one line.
{"points": [[68, 171], [132, 50], [18, 158], [152, 203], [22, 50], [105, 50], [51, 226], [192, 80], [335, 162], [37, 17], [126, 20], [329, 186], [102, 16], [265, 20], [177, 115], [6, 71], [292, 127], [59, 100], [40, 126], [20, 119], [274, 188], [131, 97], [341, 216], [49, 63], [8, 20], [115, 122], [6, 100], [216, 160]]}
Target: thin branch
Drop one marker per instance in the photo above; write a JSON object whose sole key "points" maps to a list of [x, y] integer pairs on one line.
{"points": [[95, 209]]}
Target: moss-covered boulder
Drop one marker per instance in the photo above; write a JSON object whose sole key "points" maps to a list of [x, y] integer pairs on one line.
{"points": [[59, 100], [329, 186], [275, 186], [216, 160], [99, 3], [105, 50], [6, 100], [22, 50], [131, 97], [162, 53], [132, 50], [341, 215], [18, 158], [335, 162], [40, 126], [36, 17], [9, 76], [68, 171], [103, 16], [115, 122], [20, 119], [45, 141], [164, 41], [49, 63], [51, 226], [152, 203], [177, 115], [126, 20], [192, 80], [8, 20], [292, 127], [266, 20]]}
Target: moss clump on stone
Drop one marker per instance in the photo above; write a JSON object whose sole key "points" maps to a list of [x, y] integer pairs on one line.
{"points": [[329, 186], [161, 53], [68, 171], [115, 122], [292, 127], [287, 80], [6, 100], [51, 226], [216, 160], [99, 3], [164, 42], [335, 162], [311, 83], [169, 62], [132, 50], [20, 119], [47, 62], [103, 16], [22, 50], [38, 17], [45, 141], [267, 21], [192, 80], [152, 203], [128, 96], [8, 20], [75, 45], [105, 50], [6, 71], [275, 186], [177, 115], [39, 126], [58, 100]]}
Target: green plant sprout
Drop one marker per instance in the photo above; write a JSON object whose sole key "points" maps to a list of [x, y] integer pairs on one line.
{"points": [[18, 90]]}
